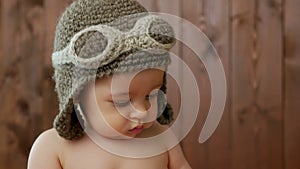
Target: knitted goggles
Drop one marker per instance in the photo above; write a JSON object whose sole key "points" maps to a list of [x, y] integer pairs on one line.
{"points": [[139, 37]]}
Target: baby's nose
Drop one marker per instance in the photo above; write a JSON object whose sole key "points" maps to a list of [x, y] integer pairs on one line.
{"points": [[138, 115], [141, 105], [140, 110]]}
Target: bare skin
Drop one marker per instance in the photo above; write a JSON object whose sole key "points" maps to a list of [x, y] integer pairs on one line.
{"points": [[50, 151]]}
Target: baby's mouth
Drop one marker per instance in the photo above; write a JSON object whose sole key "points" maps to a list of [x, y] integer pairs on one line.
{"points": [[137, 129]]}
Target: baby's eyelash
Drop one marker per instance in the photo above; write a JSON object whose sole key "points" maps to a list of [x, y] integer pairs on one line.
{"points": [[127, 102], [121, 103]]}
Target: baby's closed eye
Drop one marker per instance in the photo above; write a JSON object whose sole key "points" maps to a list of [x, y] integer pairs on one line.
{"points": [[127, 101], [121, 103]]}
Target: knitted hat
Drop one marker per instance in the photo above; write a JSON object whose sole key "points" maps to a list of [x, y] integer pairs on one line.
{"points": [[96, 38]]}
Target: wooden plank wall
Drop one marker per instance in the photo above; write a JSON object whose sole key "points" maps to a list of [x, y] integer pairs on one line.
{"points": [[257, 73], [291, 62], [258, 42], [24, 80]]}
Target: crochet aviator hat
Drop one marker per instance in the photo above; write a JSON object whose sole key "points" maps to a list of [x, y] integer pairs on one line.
{"points": [[97, 38]]}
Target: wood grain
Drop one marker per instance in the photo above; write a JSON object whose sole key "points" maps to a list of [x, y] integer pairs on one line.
{"points": [[291, 85], [217, 28], [212, 17], [256, 84], [197, 154], [23, 113]]}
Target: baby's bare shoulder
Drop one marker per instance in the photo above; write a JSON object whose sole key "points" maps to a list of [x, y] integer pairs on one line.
{"points": [[45, 151], [49, 139]]}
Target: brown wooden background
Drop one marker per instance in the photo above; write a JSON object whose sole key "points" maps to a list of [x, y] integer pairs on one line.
{"points": [[257, 40]]}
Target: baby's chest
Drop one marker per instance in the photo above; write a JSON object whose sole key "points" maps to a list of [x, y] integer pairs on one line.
{"points": [[93, 159]]}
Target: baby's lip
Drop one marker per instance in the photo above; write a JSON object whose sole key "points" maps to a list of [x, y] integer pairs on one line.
{"points": [[137, 129]]}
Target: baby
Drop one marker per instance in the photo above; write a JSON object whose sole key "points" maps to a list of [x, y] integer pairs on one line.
{"points": [[110, 58]]}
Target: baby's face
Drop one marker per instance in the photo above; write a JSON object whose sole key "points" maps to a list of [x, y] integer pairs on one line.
{"points": [[117, 111]]}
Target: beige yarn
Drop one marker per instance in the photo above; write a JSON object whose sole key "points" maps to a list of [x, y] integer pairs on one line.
{"points": [[118, 42], [96, 38]]}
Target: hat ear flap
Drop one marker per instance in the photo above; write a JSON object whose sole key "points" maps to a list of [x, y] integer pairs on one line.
{"points": [[67, 123], [166, 117]]}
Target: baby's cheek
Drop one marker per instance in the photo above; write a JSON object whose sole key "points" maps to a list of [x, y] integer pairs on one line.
{"points": [[110, 124], [116, 117]]}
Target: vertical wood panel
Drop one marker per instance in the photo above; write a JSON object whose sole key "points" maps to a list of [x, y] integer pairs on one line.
{"points": [[18, 80], [216, 19], [8, 85], [190, 12], [22, 77], [212, 17], [292, 84], [195, 153], [1, 129], [268, 86], [256, 107]]}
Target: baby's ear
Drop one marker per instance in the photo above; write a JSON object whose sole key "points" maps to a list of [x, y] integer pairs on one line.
{"points": [[90, 44]]}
